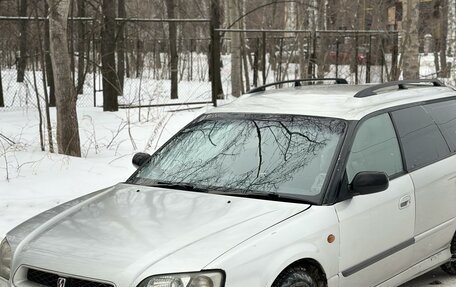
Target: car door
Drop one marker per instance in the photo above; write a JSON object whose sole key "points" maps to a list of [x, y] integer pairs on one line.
{"points": [[376, 230], [428, 136]]}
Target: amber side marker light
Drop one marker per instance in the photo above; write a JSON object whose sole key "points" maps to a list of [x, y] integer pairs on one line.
{"points": [[331, 238]]}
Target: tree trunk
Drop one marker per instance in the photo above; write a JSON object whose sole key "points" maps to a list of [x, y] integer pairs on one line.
{"points": [[2, 101], [23, 55], [235, 52], [443, 38], [122, 13], [71, 44], [245, 47], [46, 95], [67, 120], [216, 81], [108, 59], [174, 60], [324, 43], [301, 15], [38, 106], [410, 53], [81, 48], [49, 72]]}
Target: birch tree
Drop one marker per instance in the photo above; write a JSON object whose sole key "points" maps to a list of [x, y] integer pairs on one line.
{"points": [[235, 51], [410, 51], [67, 120]]}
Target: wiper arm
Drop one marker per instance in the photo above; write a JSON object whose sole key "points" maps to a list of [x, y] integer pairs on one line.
{"points": [[269, 196], [179, 186]]}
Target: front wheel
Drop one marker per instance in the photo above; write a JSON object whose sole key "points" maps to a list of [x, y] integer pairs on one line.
{"points": [[295, 277], [450, 267]]}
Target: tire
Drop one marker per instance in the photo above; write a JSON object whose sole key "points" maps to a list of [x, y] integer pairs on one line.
{"points": [[298, 276], [450, 267]]}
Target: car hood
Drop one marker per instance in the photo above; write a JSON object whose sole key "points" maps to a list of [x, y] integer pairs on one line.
{"points": [[128, 232]]}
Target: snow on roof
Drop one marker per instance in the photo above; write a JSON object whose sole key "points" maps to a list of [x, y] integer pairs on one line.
{"points": [[335, 101]]}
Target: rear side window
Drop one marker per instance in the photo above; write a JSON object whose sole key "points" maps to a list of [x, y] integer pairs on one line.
{"points": [[444, 115], [375, 148], [422, 141]]}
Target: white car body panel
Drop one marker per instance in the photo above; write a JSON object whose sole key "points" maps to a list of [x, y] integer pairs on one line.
{"points": [[302, 236], [435, 187], [308, 101], [130, 230], [373, 224], [418, 269]]}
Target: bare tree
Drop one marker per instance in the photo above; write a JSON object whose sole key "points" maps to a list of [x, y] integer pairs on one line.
{"points": [[67, 120], [410, 52], [122, 13], [81, 48], [174, 60], [443, 23], [215, 78], [49, 72], [235, 51], [22, 57], [108, 59]]}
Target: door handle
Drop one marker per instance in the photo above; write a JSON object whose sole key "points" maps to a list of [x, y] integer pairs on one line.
{"points": [[405, 202]]}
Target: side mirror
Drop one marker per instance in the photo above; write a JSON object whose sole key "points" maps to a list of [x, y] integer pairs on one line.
{"points": [[368, 182], [140, 158]]}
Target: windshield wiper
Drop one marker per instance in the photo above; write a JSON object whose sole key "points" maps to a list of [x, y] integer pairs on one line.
{"points": [[269, 196], [178, 186]]}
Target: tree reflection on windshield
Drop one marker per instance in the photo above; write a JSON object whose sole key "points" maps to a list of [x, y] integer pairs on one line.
{"points": [[262, 153]]}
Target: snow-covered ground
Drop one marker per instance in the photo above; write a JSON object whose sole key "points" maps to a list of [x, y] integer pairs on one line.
{"points": [[32, 181]]}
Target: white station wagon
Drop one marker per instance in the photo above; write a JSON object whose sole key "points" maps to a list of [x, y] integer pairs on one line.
{"points": [[310, 186]]}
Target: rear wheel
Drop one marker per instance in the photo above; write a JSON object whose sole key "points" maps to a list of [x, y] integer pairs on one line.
{"points": [[298, 276], [450, 267]]}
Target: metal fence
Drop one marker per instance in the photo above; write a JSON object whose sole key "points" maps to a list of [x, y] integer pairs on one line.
{"points": [[145, 55], [278, 55], [268, 56]]}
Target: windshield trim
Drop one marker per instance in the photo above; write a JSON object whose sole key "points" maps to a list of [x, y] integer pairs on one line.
{"points": [[314, 200]]}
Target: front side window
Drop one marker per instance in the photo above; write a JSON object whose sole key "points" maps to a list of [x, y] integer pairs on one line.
{"points": [[375, 148], [284, 154]]}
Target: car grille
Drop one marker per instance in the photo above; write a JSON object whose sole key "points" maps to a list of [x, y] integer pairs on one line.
{"points": [[50, 279]]}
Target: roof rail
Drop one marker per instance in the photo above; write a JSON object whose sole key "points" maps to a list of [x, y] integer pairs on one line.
{"points": [[401, 85], [297, 83]]}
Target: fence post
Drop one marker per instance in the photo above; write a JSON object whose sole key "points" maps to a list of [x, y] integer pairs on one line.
{"points": [[368, 61], [337, 57], [383, 60], [2, 101], [255, 62], [313, 56], [264, 58], [216, 82], [94, 70], [356, 58]]}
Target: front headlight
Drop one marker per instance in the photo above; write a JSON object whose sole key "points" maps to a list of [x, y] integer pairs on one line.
{"points": [[198, 279], [5, 259]]}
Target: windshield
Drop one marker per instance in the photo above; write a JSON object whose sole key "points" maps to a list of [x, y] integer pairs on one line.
{"points": [[232, 153]]}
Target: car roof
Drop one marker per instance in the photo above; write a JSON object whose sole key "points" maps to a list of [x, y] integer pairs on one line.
{"points": [[334, 101]]}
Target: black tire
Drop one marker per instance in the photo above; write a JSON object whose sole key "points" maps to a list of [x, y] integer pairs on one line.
{"points": [[298, 276], [450, 267]]}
